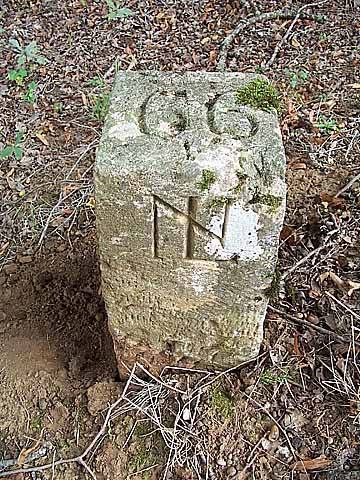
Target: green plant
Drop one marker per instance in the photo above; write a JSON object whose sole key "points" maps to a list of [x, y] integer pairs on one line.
{"points": [[29, 53], [272, 377], [29, 95], [327, 125], [208, 179], [116, 11], [259, 93], [221, 403], [17, 75], [2, 30], [96, 82], [101, 102], [297, 78], [14, 149], [57, 106]]}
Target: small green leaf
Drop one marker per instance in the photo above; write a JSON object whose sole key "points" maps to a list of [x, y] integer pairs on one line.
{"points": [[18, 152], [7, 151], [40, 60], [22, 59], [15, 44], [2, 30], [19, 137], [125, 12]]}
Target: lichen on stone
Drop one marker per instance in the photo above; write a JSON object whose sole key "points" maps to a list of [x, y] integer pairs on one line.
{"points": [[208, 179], [259, 93]]}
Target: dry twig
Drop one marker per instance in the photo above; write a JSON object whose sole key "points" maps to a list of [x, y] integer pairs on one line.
{"points": [[243, 24], [302, 321], [287, 34]]}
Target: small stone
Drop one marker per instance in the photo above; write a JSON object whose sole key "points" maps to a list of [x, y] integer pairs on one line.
{"points": [[186, 414], [9, 269], [221, 462], [25, 259], [42, 404], [231, 471], [2, 316]]}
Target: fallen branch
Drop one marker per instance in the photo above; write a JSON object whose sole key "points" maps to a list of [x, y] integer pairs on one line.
{"points": [[302, 321], [243, 24], [303, 260], [287, 34]]}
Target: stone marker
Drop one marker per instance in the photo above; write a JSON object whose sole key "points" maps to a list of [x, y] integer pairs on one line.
{"points": [[190, 201]]}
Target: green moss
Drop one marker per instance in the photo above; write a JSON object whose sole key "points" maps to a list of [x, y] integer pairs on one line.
{"points": [[219, 202], [146, 452], [242, 179], [233, 133], [269, 200], [221, 403], [260, 94], [208, 179], [274, 289]]}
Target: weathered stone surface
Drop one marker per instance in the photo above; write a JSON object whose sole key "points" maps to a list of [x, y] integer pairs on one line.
{"points": [[190, 201]]}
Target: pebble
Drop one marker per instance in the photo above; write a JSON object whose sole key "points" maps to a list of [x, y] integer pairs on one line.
{"points": [[231, 471], [10, 268], [42, 403], [186, 414], [221, 462], [25, 259]]}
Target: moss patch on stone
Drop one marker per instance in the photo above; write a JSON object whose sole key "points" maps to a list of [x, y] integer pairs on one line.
{"points": [[219, 202], [208, 179], [269, 200], [260, 94], [242, 179]]}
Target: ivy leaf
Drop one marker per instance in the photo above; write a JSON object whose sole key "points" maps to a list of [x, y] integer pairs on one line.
{"points": [[125, 12], [15, 44], [18, 152], [7, 151]]}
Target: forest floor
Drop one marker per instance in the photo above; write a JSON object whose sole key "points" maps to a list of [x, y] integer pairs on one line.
{"points": [[293, 413]]}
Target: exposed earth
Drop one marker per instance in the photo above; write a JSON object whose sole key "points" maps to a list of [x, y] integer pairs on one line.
{"points": [[294, 412]]}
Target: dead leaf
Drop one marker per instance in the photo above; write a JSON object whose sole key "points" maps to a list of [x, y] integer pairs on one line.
{"points": [[84, 99], [311, 464], [25, 452], [353, 286], [297, 166], [212, 56], [42, 138], [332, 201], [91, 202], [295, 43], [289, 235], [353, 85], [4, 247], [314, 294], [274, 433], [337, 280]]}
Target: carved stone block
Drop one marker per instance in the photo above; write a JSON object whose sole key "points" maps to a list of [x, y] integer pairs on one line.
{"points": [[190, 200]]}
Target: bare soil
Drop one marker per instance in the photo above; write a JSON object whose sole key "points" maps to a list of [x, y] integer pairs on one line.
{"points": [[294, 413]]}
